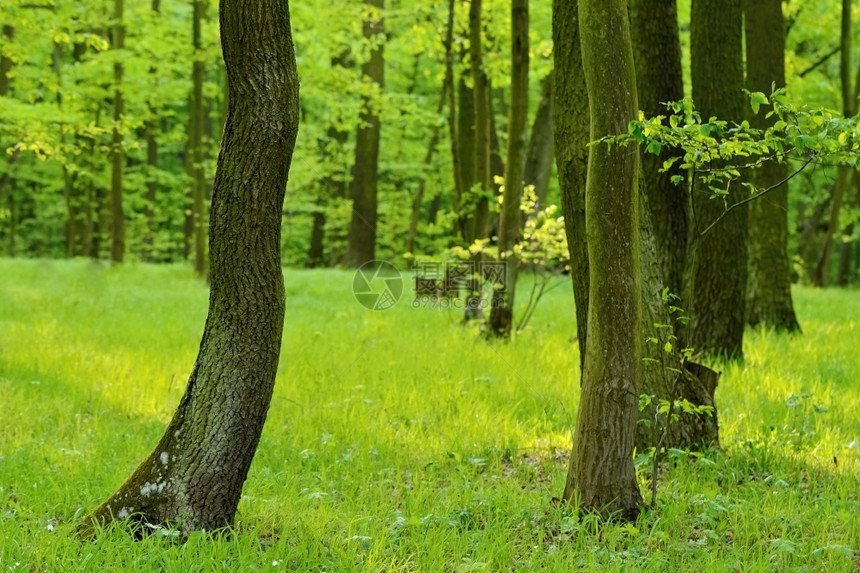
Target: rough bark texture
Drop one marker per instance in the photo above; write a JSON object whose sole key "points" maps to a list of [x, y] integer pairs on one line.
{"points": [[601, 474], [657, 54], [117, 248], [501, 313], [194, 476], [361, 244], [769, 281], [571, 136], [540, 152], [715, 283]]}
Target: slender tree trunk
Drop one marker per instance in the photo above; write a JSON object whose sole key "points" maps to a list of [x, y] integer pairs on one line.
{"points": [[453, 132], [195, 144], [151, 137], [849, 105], [654, 25], [716, 276], [477, 202], [843, 271], [540, 153], [466, 151], [361, 245], [193, 478], [571, 134], [502, 311], [769, 282], [601, 476], [6, 180], [117, 250]]}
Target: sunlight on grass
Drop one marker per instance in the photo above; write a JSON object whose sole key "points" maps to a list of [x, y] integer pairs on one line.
{"points": [[399, 440]]}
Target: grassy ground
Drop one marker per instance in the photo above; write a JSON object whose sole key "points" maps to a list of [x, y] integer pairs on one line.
{"points": [[398, 440]]}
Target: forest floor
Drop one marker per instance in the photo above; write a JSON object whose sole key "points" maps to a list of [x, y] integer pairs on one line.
{"points": [[399, 440]]}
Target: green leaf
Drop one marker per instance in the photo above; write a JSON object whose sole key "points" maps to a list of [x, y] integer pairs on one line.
{"points": [[756, 99]]}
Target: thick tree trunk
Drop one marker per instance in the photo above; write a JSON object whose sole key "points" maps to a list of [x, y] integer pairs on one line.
{"points": [[502, 311], [571, 136], [601, 474], [361, 245], [769, 282], [117, 248], [193, 479], [657, 53], [540, 151], [716, 276]]}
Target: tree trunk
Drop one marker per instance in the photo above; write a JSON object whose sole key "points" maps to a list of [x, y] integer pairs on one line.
{"points": [[151, 137], [601, 474], [769, 282], [195, 142], [571, 136], [502, 310], [843, 270], [849, 105], [716, 276], [6, 180], [540, 151], [193, 479], [361, 245], [657, 54], [117, 249]]}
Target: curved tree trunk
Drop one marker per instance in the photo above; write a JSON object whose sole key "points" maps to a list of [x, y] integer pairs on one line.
{"points": [[769, 282], [194, 476], [601, 474], [502, 311], [716, 275]]}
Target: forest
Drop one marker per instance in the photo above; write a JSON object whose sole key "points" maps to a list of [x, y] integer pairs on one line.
{"points": [[461, 285]]}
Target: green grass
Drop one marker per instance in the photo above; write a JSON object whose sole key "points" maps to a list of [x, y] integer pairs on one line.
{"points": [[399, 440]]}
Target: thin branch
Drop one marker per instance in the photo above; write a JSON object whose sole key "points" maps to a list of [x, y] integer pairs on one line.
{"points": [[821, 61], [757, 195]]}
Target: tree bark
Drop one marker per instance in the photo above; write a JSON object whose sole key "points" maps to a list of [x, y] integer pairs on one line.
{"points": [[502, 311], [571, 136], [117, 249], [657, 54], [716, 275], [193, 479], [601, 474], [361, 245], [769, 282], [849, 106]]}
